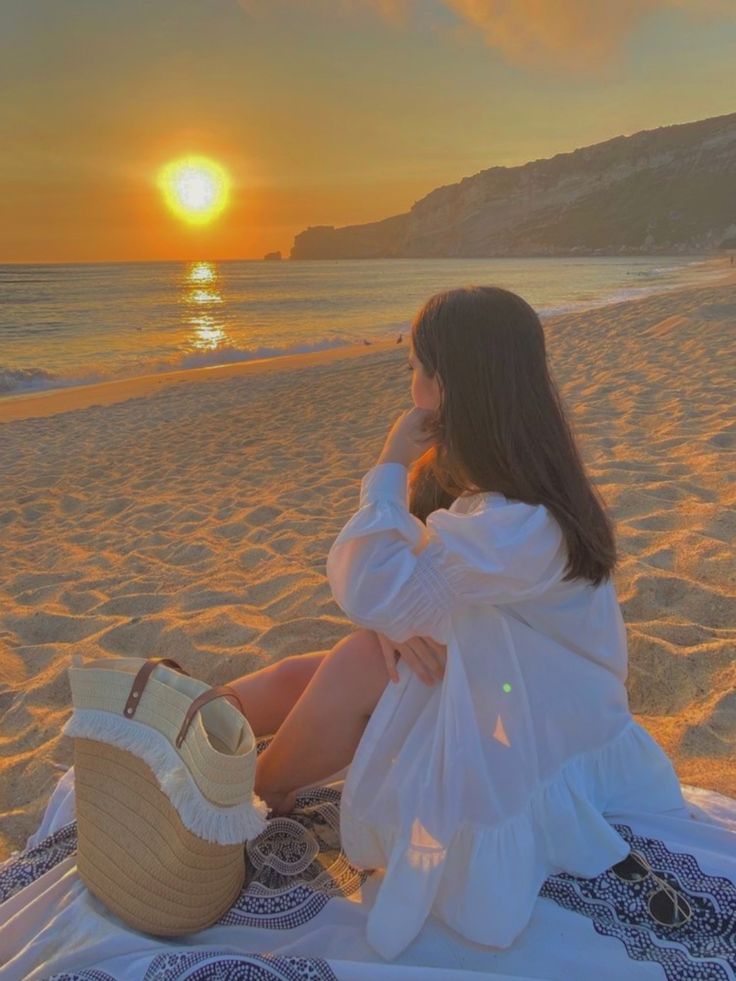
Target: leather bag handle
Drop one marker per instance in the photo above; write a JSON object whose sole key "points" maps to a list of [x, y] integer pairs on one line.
{"points": [[141, 680], [217, 692]]}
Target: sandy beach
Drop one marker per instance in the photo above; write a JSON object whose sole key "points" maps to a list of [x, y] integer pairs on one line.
{"points": [[190, 515]]}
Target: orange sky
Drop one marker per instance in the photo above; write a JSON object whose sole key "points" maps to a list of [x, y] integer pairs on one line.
{"points": [[322, 111]]}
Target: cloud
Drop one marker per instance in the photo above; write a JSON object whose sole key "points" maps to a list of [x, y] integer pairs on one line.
{"points": [[573, 35], [394, 11]]}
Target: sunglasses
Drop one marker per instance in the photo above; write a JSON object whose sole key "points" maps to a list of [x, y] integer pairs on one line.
{"points": [[667, 906]]}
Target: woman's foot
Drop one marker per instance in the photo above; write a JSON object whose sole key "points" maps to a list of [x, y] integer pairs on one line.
{"points": [[279, 803], [289, 803]]}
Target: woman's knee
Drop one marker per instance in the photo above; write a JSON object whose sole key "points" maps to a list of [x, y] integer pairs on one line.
{"points": [[295, 671], [360, 645], [359, 658]]}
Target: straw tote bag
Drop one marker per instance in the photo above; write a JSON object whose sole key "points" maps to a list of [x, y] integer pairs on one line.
{"points": [[164, 774]]}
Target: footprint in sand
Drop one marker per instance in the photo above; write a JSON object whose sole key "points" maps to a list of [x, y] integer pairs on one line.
{"points": [[204, 599], [300, 635], [253, 558], [50, 628], [262, 515], [233, 531], [135, 604], [133, 639]]}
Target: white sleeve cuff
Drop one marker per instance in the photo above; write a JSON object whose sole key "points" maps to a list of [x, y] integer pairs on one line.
{"points": [[385, 481]]}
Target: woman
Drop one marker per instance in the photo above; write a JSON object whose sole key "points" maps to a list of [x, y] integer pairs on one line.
{"points": [[496, 566]]}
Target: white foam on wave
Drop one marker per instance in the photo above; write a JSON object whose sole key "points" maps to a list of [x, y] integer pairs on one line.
{"points": [[18, 381], [633, 292]]}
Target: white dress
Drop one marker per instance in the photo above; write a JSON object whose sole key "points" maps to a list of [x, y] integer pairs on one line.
{"points": [[470, 792]]}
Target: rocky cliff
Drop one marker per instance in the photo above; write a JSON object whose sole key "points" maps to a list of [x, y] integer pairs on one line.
{"points": [[671, 189]]}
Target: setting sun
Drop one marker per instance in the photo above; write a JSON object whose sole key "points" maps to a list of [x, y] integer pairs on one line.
{"points": [[195, 188]]}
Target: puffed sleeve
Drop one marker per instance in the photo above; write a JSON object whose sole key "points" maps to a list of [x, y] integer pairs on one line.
{"points": [[390, 572]]}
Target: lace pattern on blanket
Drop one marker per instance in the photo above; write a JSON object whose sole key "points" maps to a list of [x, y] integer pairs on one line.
{"points": [[704, 949], [204, 965], [296, 866]]}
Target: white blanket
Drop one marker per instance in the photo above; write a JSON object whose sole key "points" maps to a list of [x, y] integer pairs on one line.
{"points": [[302, 914]]}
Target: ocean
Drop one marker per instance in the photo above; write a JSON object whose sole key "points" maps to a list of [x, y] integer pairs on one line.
{"points": [[78, 324]]}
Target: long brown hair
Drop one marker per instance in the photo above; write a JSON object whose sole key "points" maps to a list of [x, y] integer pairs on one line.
{"points": [[501, 424]]}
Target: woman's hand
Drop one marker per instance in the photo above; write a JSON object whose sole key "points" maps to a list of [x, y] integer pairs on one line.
{"points": [[408, 439], [425, 656]]}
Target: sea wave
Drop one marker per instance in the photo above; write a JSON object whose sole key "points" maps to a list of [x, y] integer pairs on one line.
{"points": [[18, 381], [708, 277], [39, 377], [14, 380]]}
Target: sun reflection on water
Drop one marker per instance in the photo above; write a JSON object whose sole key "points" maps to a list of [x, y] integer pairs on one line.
{"points": [[201, 293], [202, 272], [205, 296], [209, 335]]}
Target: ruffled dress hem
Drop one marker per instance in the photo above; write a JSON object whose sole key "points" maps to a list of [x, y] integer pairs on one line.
{"points": [[491, 875]]}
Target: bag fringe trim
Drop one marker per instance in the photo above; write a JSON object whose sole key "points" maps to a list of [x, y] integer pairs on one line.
{"points": [[218, 824]]}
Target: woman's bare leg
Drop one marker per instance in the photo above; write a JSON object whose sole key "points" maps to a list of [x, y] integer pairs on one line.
{"points": [[320, 734], [269, 694]]}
